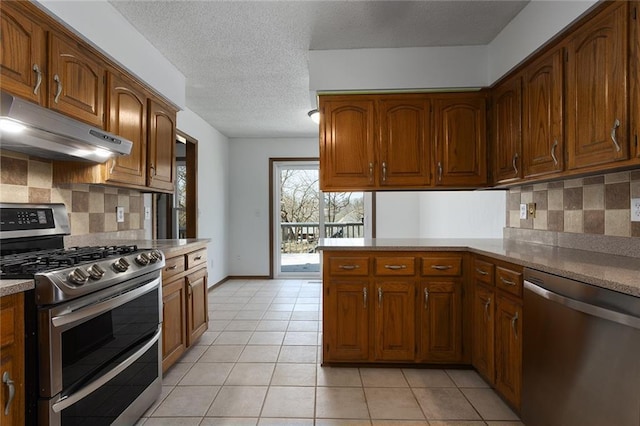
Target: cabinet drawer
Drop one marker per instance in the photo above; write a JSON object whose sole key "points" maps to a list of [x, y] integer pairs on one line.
{"points": [[388, 265], [450, 266], [196, 258], [173, 266], [349, 266], [509, 280], [483, 271]]}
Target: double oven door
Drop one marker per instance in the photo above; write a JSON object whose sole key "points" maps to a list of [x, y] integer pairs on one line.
{"points": [[100, 355]]}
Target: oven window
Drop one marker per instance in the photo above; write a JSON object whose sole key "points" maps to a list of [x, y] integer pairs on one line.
{"points": [[96, 346], [105, 405]]}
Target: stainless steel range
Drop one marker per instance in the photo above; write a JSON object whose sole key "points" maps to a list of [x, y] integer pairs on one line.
{"points": [[96, 315]]}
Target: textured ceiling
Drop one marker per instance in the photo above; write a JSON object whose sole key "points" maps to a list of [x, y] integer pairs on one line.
{"points": [[246, 62]]}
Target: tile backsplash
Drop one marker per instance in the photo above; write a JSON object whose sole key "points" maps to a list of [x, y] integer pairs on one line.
{"points": [[92, 208], [597, 205]]}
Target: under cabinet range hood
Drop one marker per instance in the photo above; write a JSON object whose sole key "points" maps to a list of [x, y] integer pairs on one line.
{"points": [[31, 129]]}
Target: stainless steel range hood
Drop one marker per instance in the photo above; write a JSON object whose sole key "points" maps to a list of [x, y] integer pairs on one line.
{"points": [[31, 129]]}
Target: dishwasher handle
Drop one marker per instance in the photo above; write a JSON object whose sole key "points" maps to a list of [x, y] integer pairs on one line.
{"points": [[583, 307]]}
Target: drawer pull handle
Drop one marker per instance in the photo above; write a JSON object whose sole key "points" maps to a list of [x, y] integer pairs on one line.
{"points": [[348, 267], [197, 257], [441, 267], [481, 272], [6, 379], [365, 295], [507, 282], [395, 267], [171, 268], [426, 299], [513, 325]]}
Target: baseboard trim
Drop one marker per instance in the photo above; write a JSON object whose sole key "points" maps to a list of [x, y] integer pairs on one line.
{"points": [[248, 277]]}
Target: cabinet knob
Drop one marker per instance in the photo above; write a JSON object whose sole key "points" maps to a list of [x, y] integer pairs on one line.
{"points": [[6, 379]]}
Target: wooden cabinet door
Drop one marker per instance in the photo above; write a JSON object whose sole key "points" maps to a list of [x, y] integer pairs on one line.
{"points": [[76, 81], [507, 130], [542, 134], [12, 411], [346, 320], [128, 118], [347, 143], [395, 320], [461, 147], [405, 148], [634, 79], [597, 124], [440, 306], [174, 327], [161, 161], [508, 350], [22, 54], [482, 347], [197, 305]]}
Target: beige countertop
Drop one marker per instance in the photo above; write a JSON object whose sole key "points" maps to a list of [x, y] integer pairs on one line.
{"points": [[168, 247], [619, 273]]}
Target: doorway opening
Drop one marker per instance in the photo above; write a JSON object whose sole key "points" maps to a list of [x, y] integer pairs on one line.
{"points": [[177, 214], [301, 214]]}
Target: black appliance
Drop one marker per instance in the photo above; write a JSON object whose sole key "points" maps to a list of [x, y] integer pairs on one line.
{"points": [[94, 320]]}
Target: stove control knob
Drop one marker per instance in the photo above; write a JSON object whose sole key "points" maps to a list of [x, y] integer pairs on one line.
{"points": [[155, 255], [95, 271], [121, 265], [78, 276], [143, 259]]}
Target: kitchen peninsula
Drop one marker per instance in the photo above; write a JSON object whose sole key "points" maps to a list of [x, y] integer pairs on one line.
{"points": [[446, 301]]}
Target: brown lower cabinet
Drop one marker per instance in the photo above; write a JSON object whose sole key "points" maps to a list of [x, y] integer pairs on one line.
{"points": [[497, 326], [12, 360], [393, 307], [184, 303]]}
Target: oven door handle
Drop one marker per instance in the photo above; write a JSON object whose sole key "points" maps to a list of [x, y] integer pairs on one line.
{"points": [[98, 308], [69, 400]]}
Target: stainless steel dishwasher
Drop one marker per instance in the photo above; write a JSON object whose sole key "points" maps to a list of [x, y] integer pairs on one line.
{"points": [[581, 354]]}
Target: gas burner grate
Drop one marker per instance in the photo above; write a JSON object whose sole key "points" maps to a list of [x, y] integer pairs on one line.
{"points": [[25, 265]]}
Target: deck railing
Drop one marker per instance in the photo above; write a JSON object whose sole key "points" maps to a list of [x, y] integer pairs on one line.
{"points": [[302, 237]]}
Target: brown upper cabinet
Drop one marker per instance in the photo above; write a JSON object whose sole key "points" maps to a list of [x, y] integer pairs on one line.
{"points": [[379, 142], [128, 118], [542, 131], [405, 141], [597, 92], [507, 130], [161, 146], [347, 143], [460, 138], [76, 81], [635, 79], [22, 54]]}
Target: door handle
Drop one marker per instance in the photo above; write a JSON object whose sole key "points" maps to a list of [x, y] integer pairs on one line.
{"points": [[486, 309], [426, 299], [379, 296], [513, 325], [56, 78], [36, 69], [553, 152], [616, 124], [384, 171], [439, 171], [6, 379], [365, 295], [515, 163]]}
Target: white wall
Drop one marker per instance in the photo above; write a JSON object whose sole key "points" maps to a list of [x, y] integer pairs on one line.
{"points": [[537, 23], [462, 214], [249, 198], [213, 190], [397, 214], [103, 26], [404, 68]]}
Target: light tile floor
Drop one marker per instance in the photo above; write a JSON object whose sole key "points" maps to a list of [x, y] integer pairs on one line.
{"points": [[259, 364]]}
